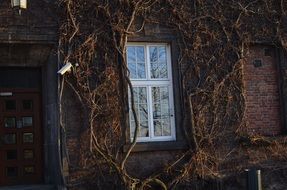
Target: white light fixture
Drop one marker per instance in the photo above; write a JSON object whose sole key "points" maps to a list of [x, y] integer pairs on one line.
{"points": [[21, 4], [66, 68]]}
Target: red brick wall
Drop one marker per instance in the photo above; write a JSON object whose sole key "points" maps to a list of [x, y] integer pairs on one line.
{"points": [[261, 92]]}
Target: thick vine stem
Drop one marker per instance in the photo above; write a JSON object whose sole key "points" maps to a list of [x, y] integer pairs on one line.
{"points": [[209, 42]]}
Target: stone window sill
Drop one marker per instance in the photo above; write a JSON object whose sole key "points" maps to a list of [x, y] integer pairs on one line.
{"points": [[157, 146]]}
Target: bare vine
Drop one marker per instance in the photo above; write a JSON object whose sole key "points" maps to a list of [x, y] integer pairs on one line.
{"points": [[212, 38]]}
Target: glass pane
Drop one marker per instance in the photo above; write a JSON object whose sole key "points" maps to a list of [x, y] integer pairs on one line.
{"points": [[164, 95], [141, 70], [132, 127], [27, 104], [28, 137], [158, 61], [164, 111], [143, 129], [136, 62], [161, 115], [153, 54], [166, 127], [12, 171], [155, 95], [140, 96], [9, 138], [132, 69], [10, 105], [11, 154], [156, 111], [28, 154], [9, 122], [29, 170], [162, 70], [154, 70], [27, 121], [19, 123], [131, 54], [162, 54], [140, 54], [157, 128], [143, 112]]}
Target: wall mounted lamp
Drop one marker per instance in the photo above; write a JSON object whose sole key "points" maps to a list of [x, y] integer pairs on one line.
{"points": [[19, 4]]}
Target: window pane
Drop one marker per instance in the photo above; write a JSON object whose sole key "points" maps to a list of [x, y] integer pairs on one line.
{"points": [[143, 131], [9, 122], [132, 69], [136, 62], [141, 70], [166, 130], [162, 72], [29, 170], [161, 116], [11, 154], [162, 54], [131, 54], [28, 137], [27, 121], [12, 171], [153, 54], [140, 54], [9, 138], [157, 128], [10, 105], [158, 62], [27, 104], [140, 97], [28, 154]]}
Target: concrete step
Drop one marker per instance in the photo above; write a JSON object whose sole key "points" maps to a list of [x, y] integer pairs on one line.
{"points": [[29, 187]]}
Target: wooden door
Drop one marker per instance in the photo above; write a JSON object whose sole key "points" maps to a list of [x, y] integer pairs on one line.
{"points": [[20, 138]]}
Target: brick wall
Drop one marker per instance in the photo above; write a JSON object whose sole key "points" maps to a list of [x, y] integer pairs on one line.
{"points": [[38, 22], [261, 91]]}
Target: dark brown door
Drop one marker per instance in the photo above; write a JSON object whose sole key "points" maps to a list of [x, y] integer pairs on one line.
{"points": [[20, 137]]}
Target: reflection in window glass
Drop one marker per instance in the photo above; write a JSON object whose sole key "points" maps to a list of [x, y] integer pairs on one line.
{"points": [[27, 121], [161, 111], [12, 171], [28, 138], [141, 107], [27, 104], [28, 154], [9, 122], [136, 62], [29, 170], [10, 105], [9, 138], [158, 62]]}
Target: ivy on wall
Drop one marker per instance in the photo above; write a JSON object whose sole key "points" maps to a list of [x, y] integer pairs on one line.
{"points": [[212, 36]]}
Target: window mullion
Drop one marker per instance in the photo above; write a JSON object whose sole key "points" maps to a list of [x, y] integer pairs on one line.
{"points": [[150, 105], [147, 62]]}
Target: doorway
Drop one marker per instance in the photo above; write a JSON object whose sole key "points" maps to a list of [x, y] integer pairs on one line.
{"points": [[21, 151]]}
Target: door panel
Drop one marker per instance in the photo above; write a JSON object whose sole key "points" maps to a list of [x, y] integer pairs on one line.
{"points": [[20, 138]]}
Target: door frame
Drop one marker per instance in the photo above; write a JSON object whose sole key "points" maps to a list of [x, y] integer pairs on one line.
{"points": [[48, 65]]}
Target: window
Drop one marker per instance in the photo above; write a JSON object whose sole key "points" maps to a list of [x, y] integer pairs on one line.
{"points": [[151, 78]]}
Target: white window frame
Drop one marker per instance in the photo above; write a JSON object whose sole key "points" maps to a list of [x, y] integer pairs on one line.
{"points": [[149, 82]]}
